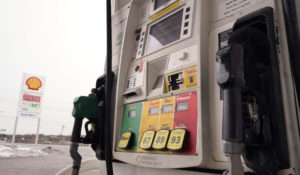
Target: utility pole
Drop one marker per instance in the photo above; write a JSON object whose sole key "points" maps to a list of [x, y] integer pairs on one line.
{"points": [[62, 129], [14, 133]]}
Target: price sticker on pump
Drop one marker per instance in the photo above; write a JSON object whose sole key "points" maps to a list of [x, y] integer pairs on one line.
{"points": [[160, 140], [147, 140], [177, 139]]}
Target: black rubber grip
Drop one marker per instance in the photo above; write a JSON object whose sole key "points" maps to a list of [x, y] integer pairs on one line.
{"points": [[76, 133]]}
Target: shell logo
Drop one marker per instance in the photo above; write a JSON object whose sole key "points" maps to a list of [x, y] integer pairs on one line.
{"points": [[33, 83]]}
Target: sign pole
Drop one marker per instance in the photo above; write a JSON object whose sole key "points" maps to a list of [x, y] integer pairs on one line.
{"points": [[15, 129], [17, 114], [37, 131]]}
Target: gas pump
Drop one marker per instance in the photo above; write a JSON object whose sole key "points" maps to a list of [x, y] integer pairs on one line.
{"points": [[199, 87]]}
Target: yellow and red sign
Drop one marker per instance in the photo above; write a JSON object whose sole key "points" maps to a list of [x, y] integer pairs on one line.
{"points": [[33, 83], [187, 79]]}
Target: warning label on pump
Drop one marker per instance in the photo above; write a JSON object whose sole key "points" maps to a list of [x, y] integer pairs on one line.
{"points": [[230, 7]]}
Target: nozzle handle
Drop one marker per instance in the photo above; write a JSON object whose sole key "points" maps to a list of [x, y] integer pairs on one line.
{"points": [[232, 129], [76, 133]]}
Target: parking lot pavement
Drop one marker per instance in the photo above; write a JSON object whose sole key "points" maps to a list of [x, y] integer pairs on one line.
{"points": [[58, 157]]}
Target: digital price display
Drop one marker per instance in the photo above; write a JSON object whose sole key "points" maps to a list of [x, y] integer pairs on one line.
{"points": [[147, 140], [131, 113], [31, 98], [184, 106], [160, 140], [125, 140], [167, 108], [177, 140], [34, 105], [154, 110]]}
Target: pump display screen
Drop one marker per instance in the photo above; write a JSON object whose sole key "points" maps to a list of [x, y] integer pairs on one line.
{"points": [[159, 3], [153, 111], [182, 106], [167, 108], [164, 32], [131, 113]]}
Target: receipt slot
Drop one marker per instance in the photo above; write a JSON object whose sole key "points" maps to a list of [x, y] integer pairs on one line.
{"points": [[185, 117], [131, 124]]}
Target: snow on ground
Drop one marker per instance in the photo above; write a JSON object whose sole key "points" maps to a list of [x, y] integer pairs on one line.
{"points": [[20, 151]]}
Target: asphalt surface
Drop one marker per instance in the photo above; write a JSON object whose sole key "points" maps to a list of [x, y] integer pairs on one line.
{"points": [[57, 159]]}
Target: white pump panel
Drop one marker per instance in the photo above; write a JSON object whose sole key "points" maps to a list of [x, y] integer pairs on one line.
{"points": [[167, 60]]}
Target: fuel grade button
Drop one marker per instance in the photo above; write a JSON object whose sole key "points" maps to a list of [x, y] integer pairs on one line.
{"points": [[125, 140], [177, 140], [160, 140], [147, 140]]}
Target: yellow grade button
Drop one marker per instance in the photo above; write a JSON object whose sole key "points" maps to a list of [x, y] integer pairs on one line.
{"points": [[147, 140], [125, 140], [160, 140], [177, 139]]}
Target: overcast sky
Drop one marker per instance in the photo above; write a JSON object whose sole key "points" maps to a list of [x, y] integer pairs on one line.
{"points": [[62, 40]]}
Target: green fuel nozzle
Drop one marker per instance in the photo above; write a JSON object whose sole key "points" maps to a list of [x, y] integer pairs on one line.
{"points": [[89, 107], [84, 107]]}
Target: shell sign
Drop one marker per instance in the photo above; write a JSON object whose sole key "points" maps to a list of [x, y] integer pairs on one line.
{"points": [[31, 96], [33, 83]]}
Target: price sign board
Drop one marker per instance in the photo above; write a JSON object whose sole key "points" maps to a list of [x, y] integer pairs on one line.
{"points": [[177, 139], [147, 140], [31, 96], [160, 140]]}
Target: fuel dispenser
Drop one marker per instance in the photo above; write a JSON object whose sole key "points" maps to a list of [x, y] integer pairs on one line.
{"points": [[201, 87]]}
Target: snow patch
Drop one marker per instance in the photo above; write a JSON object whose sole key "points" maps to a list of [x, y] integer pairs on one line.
{"points": [[20, 151]]}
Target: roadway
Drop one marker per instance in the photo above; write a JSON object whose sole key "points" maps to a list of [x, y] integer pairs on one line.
{"points": [[58, 157]]}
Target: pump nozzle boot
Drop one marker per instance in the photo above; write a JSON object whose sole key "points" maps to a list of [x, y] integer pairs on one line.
{"points": [[230, 77]]}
